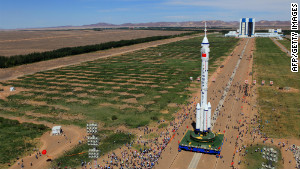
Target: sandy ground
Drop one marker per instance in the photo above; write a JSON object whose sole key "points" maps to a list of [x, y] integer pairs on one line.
{"points": [[14, 72], [24, 42]]}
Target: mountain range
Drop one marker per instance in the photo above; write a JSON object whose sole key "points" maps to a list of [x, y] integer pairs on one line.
{"points": [[212, 23]]}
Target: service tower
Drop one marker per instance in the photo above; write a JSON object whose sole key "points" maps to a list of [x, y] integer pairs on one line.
{"points": [[202, 139]]}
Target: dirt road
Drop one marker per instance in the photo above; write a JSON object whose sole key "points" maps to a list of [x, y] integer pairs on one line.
{"points": [[283, 48]]}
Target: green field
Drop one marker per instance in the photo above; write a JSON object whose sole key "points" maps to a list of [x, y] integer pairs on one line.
{"points": [[253, 159], [109, 141], [279, 109], [17, 138], [130, 89]]}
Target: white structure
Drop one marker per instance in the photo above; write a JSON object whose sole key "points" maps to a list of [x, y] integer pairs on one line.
{"points": [[275, 31], [203, 110], [276, 35], [92, 128], [12, 89], [232, 34], [272, 33], [56, 130], [93, 141], [247, 27]]}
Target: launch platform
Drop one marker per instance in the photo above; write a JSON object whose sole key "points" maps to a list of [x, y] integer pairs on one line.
{"points": [[211, 143]]}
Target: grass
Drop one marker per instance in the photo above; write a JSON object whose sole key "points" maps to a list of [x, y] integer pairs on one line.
{"points": [[163, 125], [109, 141], [279, 110], [133, 87], [17, 139], [151, 136], [255, 159]]}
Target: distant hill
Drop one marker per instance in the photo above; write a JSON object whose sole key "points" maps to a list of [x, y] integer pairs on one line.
{"points": [[263, 24], [212, 23]]}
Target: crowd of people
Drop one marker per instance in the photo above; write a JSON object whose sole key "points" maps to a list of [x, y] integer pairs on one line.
{"points": [[296, 151], [256, 136], [150, 148]]}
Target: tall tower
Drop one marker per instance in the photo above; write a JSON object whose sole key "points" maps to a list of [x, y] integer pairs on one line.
{"points": [[247, 27], [203, 110]]}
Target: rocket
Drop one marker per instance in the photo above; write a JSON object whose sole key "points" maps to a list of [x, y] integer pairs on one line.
{"points": [[203, 110]]}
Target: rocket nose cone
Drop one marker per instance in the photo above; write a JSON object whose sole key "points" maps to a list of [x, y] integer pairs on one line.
{"points": [[198, 106], [205, 40], [206, 107]]}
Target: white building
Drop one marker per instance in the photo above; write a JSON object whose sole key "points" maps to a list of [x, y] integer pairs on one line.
{"points": [[247, 27], [232, 34], [266, 35], [275, 31], [56, 130]]}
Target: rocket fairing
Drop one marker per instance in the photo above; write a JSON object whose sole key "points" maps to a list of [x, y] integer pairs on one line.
{"points": [[203, 113]]}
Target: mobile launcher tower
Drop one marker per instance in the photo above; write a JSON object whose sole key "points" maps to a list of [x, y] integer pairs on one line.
{"points": [[202, 139]]}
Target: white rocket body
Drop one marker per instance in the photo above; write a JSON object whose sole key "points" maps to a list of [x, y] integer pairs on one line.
{"points": [[203, 114], [198, 116]]}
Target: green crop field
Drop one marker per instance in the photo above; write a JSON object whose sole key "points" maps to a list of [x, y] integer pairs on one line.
{"points": [[16, 139], [279, 109], [131, 89]]}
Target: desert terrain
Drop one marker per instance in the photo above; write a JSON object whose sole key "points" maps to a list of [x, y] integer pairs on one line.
{"points": [[25, 42]]}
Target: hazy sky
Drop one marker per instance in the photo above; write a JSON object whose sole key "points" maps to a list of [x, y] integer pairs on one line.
{"points": [[46, 13]]}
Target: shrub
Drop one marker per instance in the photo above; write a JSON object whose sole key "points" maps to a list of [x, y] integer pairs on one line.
{"points": [[114, 117]]}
